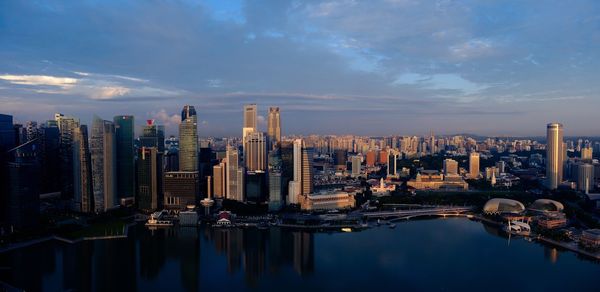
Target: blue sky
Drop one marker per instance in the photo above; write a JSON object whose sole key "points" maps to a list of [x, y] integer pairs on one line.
{"points": [[334, 67]]}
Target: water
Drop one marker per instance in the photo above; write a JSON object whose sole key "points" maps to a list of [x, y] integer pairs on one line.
{"points": [[424, 255]]}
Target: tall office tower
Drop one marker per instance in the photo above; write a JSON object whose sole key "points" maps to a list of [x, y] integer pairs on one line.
{"points": [[49, 140], [125, 156], [31, 130], [587, 153], [219, 180], [274, 127], [256, 186], [172, 159], [149, 179], [188, 139], [391, 164], [474, 165], [307, 170], [153, 135], [22, 199], [450, 166], [356, 164], [204, 167], [275, 180], [382, 159], [340, 159], [287, 166], [585, 177], [250, 122], [181, 188], [7, 142], [555, 155], [83, 198], [255, 147], [235, 177], [66, 125], [295, 186], [501, 166], [104, 166]]}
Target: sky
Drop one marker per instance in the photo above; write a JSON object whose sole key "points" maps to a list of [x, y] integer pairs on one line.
{"points": [[377, 67]]}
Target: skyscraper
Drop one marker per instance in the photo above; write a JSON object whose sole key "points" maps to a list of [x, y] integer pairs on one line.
{"points": [[149, 179], [474, 165], [275, 180], [188, 139], [235, 177], [104, 166], [274, 127], [153, 135], [125, 156], [585, 177], [255, 147], [181, 188], [83, 198], [219, 180], [250, 123], [555, 153], [356, 165], [391, 163], [295, 186], [23, 195], [66, 125], [49, 139], [7, 136]]}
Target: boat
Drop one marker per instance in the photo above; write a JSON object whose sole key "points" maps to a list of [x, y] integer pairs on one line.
{"points": [[518, 228], [347, 229], [392, 226]]}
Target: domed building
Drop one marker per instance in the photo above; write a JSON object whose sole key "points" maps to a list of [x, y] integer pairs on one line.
{"points": [[503, 206], [546, 206]]}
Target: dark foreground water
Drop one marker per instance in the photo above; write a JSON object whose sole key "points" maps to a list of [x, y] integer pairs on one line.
{"points": [[439, 254]]}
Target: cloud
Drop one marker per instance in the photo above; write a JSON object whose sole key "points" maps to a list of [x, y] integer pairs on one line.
{"points": [[40, 80], [165, 119]]}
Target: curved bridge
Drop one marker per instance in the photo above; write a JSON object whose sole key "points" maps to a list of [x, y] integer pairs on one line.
{"points": [[407, 214]]}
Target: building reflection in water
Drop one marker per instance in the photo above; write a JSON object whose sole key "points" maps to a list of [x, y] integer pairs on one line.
{"points": [[261, 251], [551, 253]]}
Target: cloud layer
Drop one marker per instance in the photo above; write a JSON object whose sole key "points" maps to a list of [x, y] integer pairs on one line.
{"points": [[366, 67]]}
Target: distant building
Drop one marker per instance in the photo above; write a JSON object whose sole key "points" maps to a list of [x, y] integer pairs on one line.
{"points": [[124, 136], [450, 166], [255, 155], [83, 199], [256, 187], [340, 159], [433, 180], [392, 169], [181, 188], [235, 175], [370, 160], [474, 165], [336, 200], [585, 177], [356, 165], [555, 155], [276, 200], [302, 183], [274, 128], [149, 195], [104, 166], [153, 135], [66, 125], [590, 238], [188, 139], [219, 180]]}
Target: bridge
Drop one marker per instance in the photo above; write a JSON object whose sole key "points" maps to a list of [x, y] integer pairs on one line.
{"points": [[407, 214]]}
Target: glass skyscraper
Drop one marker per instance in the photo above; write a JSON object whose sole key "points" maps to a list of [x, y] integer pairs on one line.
{"points": [[188, 139], [125, 156]]}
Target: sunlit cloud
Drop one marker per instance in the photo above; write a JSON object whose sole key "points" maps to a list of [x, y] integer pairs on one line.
{"points": [[40, 80]]}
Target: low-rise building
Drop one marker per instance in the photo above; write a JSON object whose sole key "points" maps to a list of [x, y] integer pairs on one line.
{"points": [[328, 201], [590, 238], [433, 180]]}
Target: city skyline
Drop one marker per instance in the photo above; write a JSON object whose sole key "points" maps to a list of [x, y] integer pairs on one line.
{"points": [[493, 68]]}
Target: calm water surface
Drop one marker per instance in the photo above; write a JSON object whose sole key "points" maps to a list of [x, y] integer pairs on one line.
{"points": [[424, 255]]}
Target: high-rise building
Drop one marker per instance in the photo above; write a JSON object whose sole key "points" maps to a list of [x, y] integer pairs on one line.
{"points": [[256, 187], [274, 127], [587, 153], [104, 166], [250, 116], [295, 186], [188, 139], [219, 180], [235, 175], [8, 137], [275, 180], [450, 166], [255, 147], [356, 165], [287, 166], [153, 135], [83, 199], [7, 134], [474, 165], [22, 199], [49, 139], [555, 155], [370, 160], [125, 156], [391, 164], [149, 179], [181, 188], [66, 125], [340, 159], [585, 177]]}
